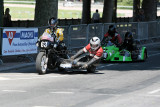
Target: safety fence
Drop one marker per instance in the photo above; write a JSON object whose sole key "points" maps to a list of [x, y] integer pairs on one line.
{"points": [[18, 41], [79, 35], [65, 22]]}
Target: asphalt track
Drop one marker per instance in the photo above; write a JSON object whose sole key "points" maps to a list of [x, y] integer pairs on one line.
{"points": [[134, 84]]}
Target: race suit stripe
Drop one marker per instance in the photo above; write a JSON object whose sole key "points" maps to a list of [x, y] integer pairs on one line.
{"points": [[97, 57], [84, 49]]}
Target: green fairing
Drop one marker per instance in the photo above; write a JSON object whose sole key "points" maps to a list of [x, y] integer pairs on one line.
{"points": [[143, 53], [113, 54]]}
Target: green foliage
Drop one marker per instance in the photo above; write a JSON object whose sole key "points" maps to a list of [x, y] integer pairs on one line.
{"points": [[125, 2], [19, 13], [19, 0], [25, 13]]}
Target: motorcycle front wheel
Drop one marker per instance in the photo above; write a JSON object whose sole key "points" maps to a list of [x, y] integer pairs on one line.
{"points": [[41, 63]]}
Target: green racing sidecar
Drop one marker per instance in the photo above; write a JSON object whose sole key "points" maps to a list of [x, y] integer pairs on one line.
{"points": [[113, 53]]}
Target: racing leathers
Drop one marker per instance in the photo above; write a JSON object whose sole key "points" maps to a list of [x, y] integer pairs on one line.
{"points": [[94, 56], [58, 34], [131, 47], [115, 39], [58, 39]]}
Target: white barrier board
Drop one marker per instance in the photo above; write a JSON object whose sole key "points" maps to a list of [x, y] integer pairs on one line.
{"points": [[19, 41]]}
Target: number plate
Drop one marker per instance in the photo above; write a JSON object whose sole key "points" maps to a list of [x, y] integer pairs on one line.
{"points": [[44, 44]]}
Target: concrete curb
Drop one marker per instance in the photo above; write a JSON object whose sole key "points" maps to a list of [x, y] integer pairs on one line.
{"points": [[17, 66]]}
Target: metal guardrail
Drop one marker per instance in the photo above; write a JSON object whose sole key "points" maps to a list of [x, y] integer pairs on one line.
{"points": [[78, 36]]}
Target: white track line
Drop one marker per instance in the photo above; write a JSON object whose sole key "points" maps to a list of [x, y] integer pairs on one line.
{"points": [[20, 91], [62, 92], [154, 91], [105, 66], [3, 78], [41, 77], [44, 106], [30, 78], [154, 54]]}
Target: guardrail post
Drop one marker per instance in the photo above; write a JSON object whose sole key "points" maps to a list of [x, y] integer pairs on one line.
{"points": [[87, 36], [27, 23], [1, 36], [142, 31], [102, 35], [69, 38], [19, 23]]}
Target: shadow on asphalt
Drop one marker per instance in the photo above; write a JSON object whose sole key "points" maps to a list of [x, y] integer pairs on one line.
{"points": [[73, 72], [151, 64], [55, 71]]}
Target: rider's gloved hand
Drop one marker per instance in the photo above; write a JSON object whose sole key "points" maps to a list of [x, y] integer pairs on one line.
{"points": [[85, 66], [55, 45], [37, 43], [72, 58]]}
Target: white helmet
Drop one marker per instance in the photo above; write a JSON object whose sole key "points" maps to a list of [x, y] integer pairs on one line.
{"points": [[95, 43]]}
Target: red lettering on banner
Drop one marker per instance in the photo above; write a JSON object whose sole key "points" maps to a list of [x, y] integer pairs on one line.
{"points": [[10, 35], [5, 51]]}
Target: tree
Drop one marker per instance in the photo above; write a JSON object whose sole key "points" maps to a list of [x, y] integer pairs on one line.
{"points": [[1, 23], [150, 9], [45, 10], [114, 17], [86, 12], [1, 13], [136, 7], [107, 11]]}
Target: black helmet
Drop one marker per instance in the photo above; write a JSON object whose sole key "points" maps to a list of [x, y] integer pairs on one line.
{"points": [[112, 30], [53, 22], [128, 37]]}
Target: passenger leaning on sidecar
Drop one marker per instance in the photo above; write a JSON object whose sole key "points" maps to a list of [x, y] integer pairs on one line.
{"points": [[130, 45], [113, 36], [95, 52]]}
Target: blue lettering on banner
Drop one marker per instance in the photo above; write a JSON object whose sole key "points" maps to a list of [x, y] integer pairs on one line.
{"points": [[27, 35]]}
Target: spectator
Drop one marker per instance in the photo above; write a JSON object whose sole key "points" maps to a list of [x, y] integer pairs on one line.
{"points": [[141, 16], [7, 18], [96, 17]]}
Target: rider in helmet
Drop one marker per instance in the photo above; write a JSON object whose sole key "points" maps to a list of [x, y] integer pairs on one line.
{"points": [[57, 33], [113, 36], [53, 30], [95, 52], [130, 45]]}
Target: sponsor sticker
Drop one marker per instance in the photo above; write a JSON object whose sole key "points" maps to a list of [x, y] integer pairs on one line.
{"points": [[10, 36]]}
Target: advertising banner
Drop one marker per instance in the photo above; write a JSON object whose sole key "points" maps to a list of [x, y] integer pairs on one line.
{"points": [[19, 41]]}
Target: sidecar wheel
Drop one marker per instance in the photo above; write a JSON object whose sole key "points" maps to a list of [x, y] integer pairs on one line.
{"points": [[91, 69], [145, 55]]}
